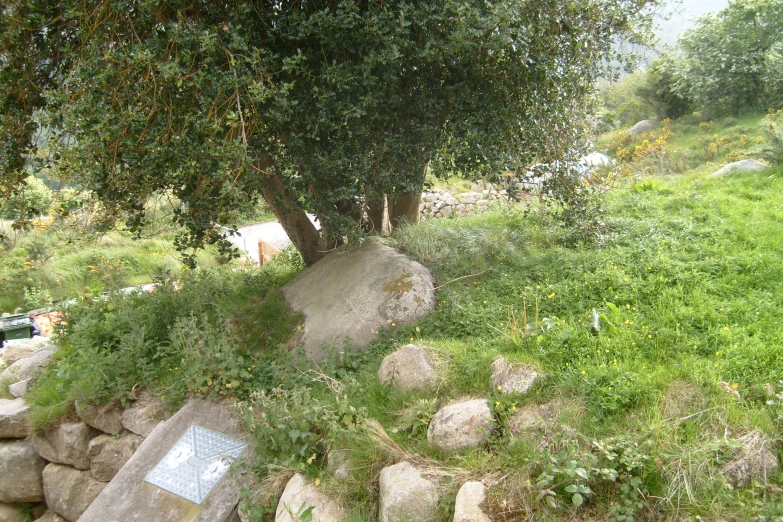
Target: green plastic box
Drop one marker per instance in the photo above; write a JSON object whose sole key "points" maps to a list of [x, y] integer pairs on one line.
{"points": [[14, 327]]}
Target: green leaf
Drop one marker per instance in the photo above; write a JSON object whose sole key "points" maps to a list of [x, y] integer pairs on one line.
{"points": [[577, 500]]}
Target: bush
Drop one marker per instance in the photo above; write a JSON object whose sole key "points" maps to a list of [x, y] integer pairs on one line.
{"points": [[772, 126]]}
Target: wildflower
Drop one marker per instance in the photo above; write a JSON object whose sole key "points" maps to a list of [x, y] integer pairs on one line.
{"points": [[500, 388], [394, 324], [583, 372], [551, 295], [497, 403], [485, 302]]}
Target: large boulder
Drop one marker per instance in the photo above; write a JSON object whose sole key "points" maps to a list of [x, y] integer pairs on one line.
{"points": [[13, 419], [299, 496], [461, 425], [28, 367], [405, 495], [467, 507], [508, 377], [107, 419], [746, 165], [347, 296], [109, 454], [66, 444], [409, 368], [642, 127], [68, 491], [20, 472]]}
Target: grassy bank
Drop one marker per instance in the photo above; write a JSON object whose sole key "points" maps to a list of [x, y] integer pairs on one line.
{"points": [[658, 352]]}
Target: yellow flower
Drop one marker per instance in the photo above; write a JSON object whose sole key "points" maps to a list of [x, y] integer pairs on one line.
{"points": [[497, 403], [583, 372], [485, 302], [394, 324], [500, 388], [551, 295], [228, 385]]}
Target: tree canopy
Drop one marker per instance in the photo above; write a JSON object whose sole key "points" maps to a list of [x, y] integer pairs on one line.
{"points": [[731, 60], [320, 106]]}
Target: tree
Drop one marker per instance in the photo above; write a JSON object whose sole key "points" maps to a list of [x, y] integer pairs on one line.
{"points": [[724, 56], [663, 88], [324, 106], [34, 200]]}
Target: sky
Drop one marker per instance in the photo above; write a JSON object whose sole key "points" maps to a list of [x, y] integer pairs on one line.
{"points": [[684, 16]]}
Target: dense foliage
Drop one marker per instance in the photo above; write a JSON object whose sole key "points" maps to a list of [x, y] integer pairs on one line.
{"points": [[310, 104], [729, 63]]}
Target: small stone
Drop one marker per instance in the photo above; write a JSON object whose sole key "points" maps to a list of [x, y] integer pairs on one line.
{"points": [[13, 419], [467, 507], [406, 495], [68, 491], [298, 496], [20, 472], [461, 426], [446, 211], [508, 377], [143, 417], [409, 368], [758, 464], [66, 444], [340, 463], [19, 389], [108, 419], [109, 454]]}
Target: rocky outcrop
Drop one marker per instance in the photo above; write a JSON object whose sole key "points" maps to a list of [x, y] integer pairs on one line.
{"points": [[347, 296], [467, 507], [109, 454], [105, 419], [461, 426], [13, 419], [409, 368], [66, 444], [405, 495], [746, 165], [508, 377], [20, 473], [68, 491], [301, 496]]}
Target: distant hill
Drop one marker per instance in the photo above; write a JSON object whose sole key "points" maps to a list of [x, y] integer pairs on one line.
{"points": [[684, 16]]}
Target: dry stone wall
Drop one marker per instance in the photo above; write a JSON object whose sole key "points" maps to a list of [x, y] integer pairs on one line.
{"points": [[441, 203], [66, 468]]}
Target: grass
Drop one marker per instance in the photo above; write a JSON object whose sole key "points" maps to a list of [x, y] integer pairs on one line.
{"points": [[688, 293]]}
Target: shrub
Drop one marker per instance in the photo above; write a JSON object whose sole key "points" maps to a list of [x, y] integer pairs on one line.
{"points": [[772, 126]]}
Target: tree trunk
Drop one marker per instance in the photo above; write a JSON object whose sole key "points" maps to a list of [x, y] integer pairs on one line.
{"points": [[405, 210], [375, 211], [292, 217]]}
